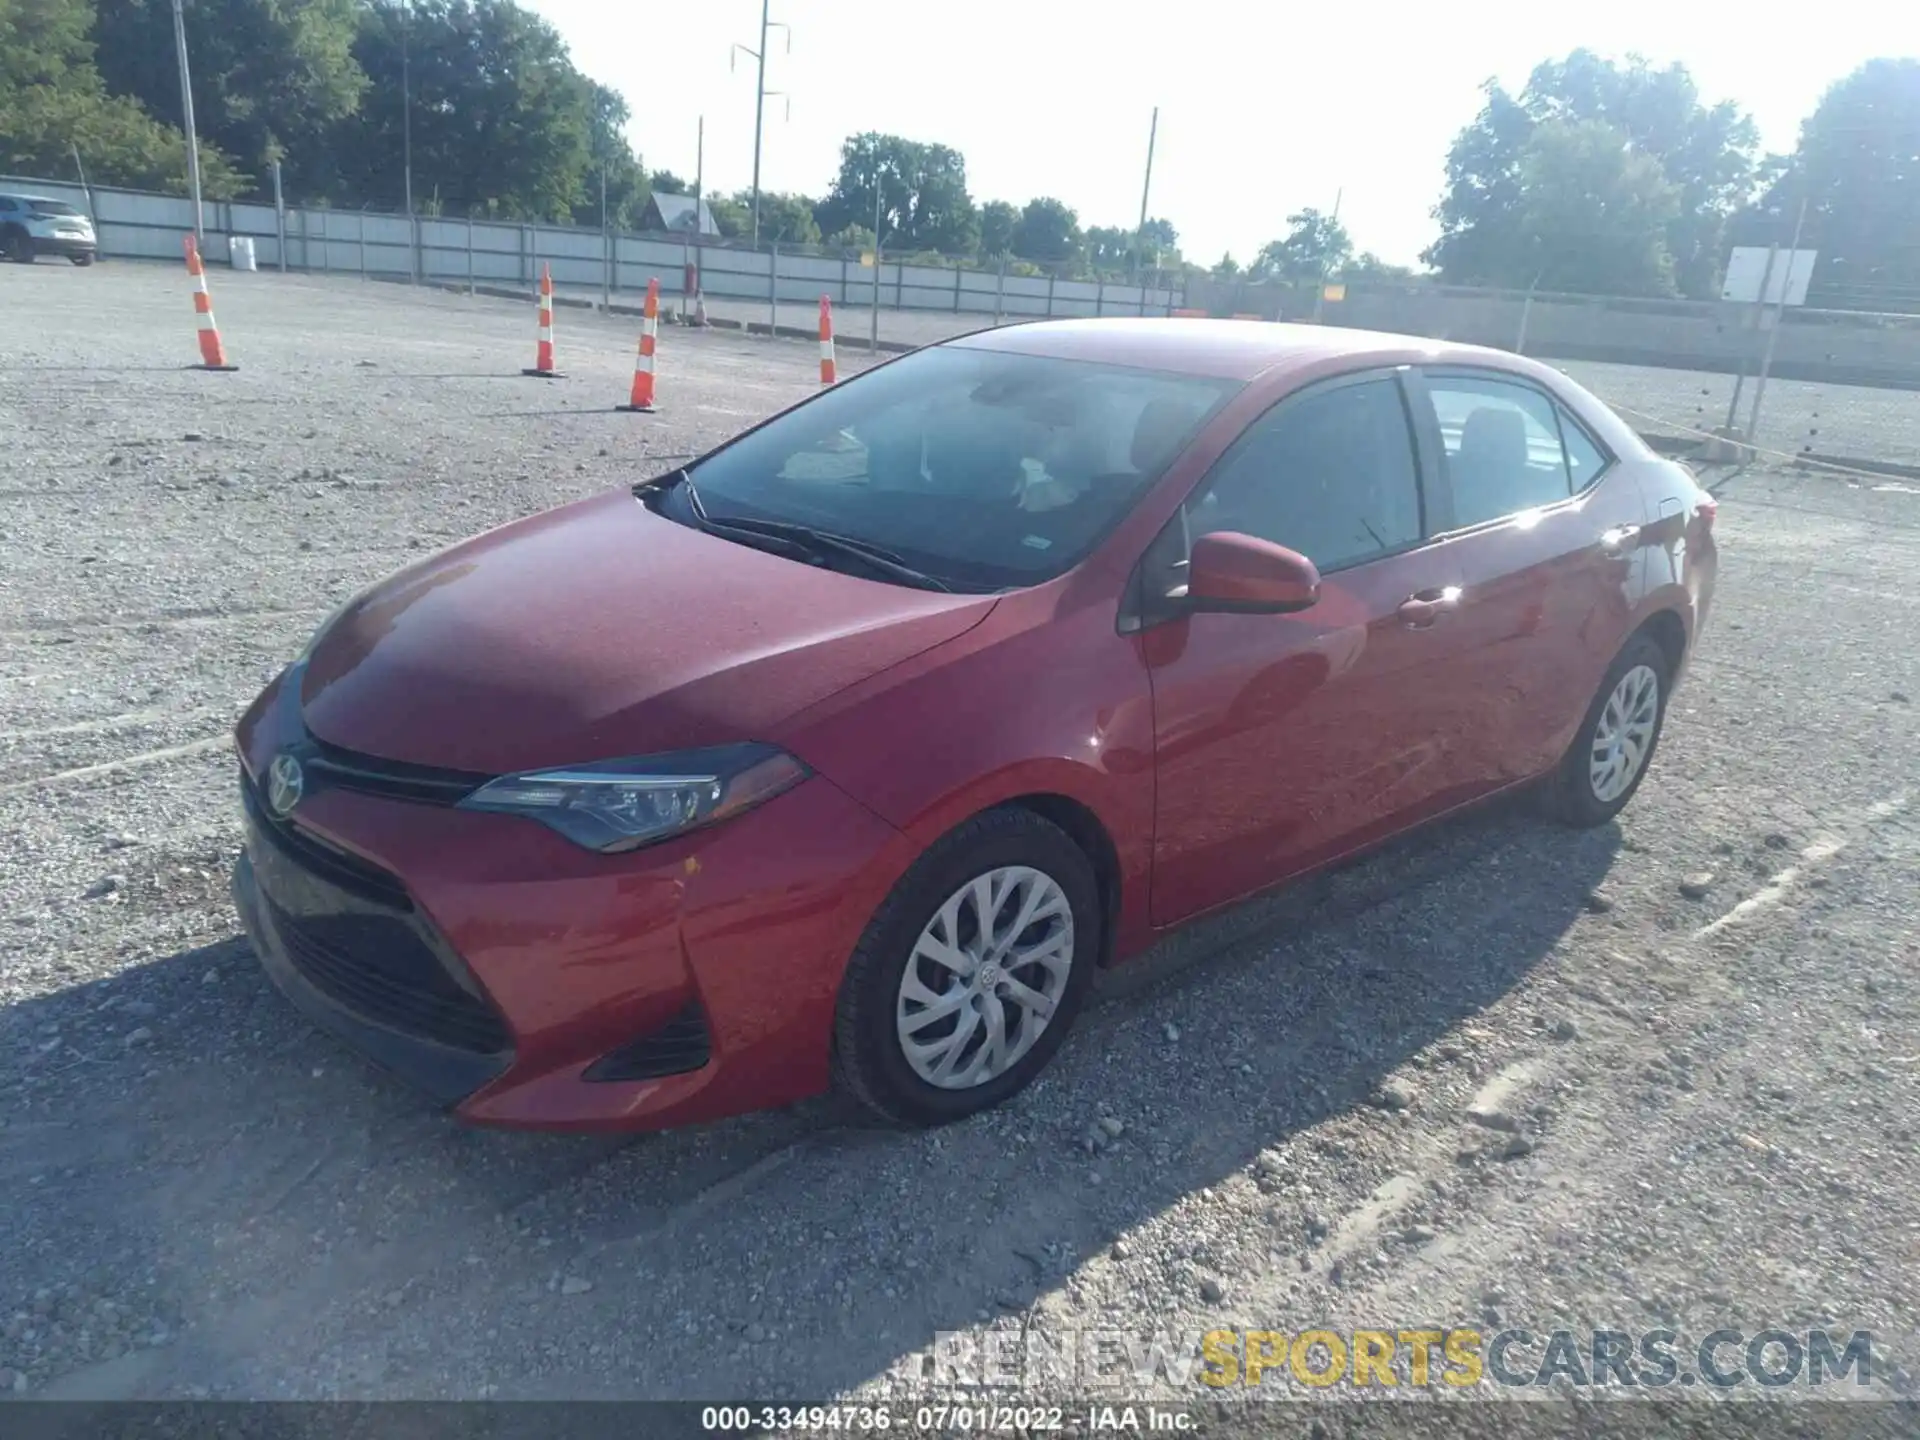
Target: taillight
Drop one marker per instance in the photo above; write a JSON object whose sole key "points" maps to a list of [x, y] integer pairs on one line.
{"points": [[1706, 507]]}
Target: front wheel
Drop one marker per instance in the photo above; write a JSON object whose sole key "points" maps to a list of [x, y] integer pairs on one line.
{"points": [[1615, 743], [81, 259], [971, 973]]}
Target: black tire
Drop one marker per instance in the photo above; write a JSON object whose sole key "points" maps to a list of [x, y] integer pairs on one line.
{"points": [[1571, 792], [18, 246], [81, 260], [867, 1059]]}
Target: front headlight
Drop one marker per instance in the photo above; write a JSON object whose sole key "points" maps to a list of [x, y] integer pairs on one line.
{"points": [[615, 805]]}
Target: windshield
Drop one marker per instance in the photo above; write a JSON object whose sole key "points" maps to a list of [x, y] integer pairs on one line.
{"points": [[982, 469], [52, 207]]}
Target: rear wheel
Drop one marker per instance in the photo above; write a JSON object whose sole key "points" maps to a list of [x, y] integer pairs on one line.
{"points": [[968, 978], [1614, 746], [18, 246]]}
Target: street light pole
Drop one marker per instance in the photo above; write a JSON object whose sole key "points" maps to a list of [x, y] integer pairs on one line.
{"points": [[186, 110]]}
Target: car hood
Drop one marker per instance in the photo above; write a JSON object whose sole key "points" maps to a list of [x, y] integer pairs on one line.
{"points": [[601, 630]]}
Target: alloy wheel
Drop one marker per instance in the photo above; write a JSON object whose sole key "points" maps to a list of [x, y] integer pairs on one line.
{"points": [[985, 977], [1624, 735]]}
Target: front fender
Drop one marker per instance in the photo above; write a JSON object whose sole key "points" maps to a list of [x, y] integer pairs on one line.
{"points": [[1031, 702]]}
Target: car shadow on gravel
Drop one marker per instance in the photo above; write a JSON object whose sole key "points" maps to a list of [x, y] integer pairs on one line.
{"points": [[183, 1145]]}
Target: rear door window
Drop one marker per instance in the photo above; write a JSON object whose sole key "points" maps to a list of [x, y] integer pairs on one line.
{"points": [[1501, 445]]}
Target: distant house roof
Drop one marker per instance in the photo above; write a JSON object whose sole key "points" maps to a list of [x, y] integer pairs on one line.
{"points": [[677, 213]]}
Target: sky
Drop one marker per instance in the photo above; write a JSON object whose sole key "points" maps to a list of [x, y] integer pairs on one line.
{"points": [[1264, 108]]}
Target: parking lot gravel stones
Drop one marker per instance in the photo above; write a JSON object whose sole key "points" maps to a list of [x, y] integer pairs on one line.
{"points": [[1714, 1096]]}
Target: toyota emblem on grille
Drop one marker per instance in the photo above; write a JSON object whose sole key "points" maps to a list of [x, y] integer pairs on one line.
{"points": [[286, 782]]}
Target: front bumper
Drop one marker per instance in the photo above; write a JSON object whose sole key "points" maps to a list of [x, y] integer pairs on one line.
{"points": [[717, 956], [362, 964], [66, 245]]}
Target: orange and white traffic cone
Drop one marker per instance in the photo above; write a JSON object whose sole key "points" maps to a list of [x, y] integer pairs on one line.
{"points": [[543, 355], [212, 356], [700, 309], [641, 401], [828, 372]]}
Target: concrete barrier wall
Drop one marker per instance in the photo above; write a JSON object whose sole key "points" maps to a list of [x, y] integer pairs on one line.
{"points": [[138, 225], [1836, 346]]}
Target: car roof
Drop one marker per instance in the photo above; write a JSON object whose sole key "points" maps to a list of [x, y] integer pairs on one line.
{"points": [[1225, 349]]}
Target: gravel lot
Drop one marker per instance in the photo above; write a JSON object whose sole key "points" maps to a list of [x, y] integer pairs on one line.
{"points": [[1698, 1106]]}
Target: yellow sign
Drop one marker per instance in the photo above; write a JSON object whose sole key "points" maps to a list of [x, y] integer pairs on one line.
{"points": [[1334, 292], [866, 258]]}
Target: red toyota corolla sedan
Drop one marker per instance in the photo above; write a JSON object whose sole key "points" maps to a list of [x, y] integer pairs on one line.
{"points": [[848, 753]]}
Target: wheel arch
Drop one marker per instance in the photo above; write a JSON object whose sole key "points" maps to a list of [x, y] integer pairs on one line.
{"points": [[1089, 832], [1668, 630]]}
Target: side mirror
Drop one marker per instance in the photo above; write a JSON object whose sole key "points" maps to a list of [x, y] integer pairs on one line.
{"points": [[1247, 575]]}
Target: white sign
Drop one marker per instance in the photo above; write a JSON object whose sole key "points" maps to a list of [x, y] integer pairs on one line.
{"points": [[1747, 271]]}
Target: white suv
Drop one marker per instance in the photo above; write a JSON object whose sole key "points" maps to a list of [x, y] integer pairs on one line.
{"points": [[32, 225]]}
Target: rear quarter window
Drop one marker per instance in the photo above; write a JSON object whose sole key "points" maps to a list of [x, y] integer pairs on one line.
{"points": [[1585, 459]]}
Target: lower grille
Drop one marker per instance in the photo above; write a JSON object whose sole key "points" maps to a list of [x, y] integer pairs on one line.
{"points": [[682, 1044], [381, 969]]}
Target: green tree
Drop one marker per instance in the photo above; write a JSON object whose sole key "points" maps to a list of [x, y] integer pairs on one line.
{"points": [[1107, 249], [1159, 244], [609, 155], [1227, 268], [1317, 245], [52, 100], [270, 77], [997, 220], [502, 121], [784, 219], [1600, 208], [1707, 152], [1858, 165], [1048, 231], [732, 217], [922, 190], [1369, 266]]}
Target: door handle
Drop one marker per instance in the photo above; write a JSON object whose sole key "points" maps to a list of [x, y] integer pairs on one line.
{"points": [[1423, 607], [1619, 537]]}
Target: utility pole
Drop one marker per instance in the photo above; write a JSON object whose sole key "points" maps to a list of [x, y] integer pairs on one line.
{"points": [[1759, 318], [760, 94], [1320, 285], [873, 317], [186, 110], [1146, 190], [406, 100], [1779, 314]]}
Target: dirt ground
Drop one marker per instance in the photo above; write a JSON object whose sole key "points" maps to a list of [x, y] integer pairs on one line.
{"points": [[1690, 1039]]}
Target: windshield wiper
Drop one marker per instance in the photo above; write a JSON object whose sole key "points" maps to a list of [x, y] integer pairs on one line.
{"points": [[790, 538], [667, 480], [822, 542]]}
